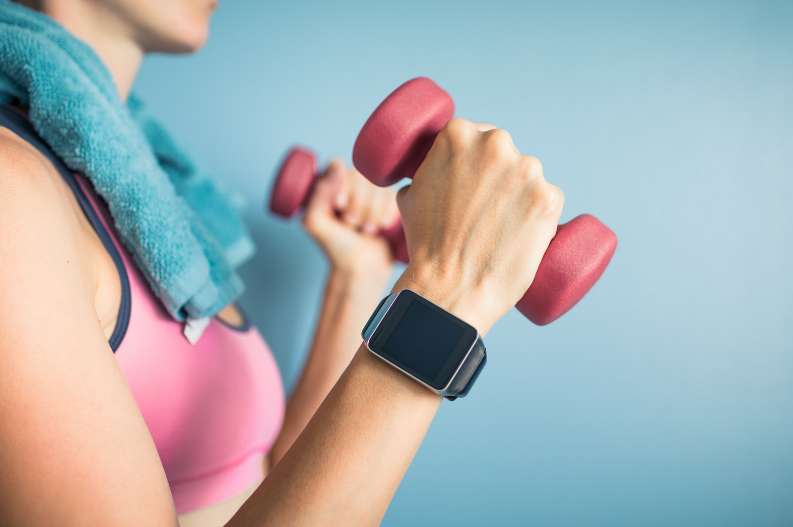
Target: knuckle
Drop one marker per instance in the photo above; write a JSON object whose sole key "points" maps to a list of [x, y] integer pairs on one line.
{"points": [[532, 166], [457, 125], [457, 134], [530, 170], [548, 198], [498, 143]]}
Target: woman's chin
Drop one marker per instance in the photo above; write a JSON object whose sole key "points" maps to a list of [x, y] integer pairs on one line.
{"points": [[189, 40]]}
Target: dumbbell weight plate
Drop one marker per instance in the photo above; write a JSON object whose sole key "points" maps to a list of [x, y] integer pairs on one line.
{"points": [[293, 182], [398, 135], [574, 261]]}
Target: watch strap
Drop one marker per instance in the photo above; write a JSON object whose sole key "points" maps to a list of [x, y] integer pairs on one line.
{"points": [[469, 370]]}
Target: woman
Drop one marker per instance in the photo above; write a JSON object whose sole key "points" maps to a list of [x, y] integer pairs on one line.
{"points": [[86, 436]]}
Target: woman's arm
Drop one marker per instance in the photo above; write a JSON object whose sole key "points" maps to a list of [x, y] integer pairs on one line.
{"points": [[479, 217], [348, 462], [74, 449], [342, 206]]}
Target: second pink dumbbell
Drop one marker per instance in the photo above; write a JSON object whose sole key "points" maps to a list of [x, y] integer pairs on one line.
{"points": [[294, 184]]}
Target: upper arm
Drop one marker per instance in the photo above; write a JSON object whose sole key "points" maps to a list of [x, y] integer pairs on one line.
{"points": [[74, 448]]}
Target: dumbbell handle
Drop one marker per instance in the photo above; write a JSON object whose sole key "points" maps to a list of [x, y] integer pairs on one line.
{"points": [[305, 160], [394, 142]]}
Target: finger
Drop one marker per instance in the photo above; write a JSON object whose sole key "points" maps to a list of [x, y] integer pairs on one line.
{"points": [[320, 209], [329, 187], [370, 223], [343, 195], [375, 199], [381, 212], [360, 200], [353, 197], [390, 212]]}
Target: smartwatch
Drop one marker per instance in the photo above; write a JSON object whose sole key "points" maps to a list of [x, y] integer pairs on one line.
{"points": [[426, 343]]}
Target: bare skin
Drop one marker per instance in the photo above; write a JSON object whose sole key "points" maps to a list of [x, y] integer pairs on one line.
{"points": [[360, 265], [74, 449], [61, 380], [354, 284]]}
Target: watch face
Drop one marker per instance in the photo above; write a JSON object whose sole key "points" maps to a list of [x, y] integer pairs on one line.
{"points": [[422, 339]]}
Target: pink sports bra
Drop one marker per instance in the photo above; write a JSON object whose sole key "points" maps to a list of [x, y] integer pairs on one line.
{"points": [[213, 408]]}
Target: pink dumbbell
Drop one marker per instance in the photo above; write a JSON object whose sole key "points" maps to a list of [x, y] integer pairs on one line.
{"points": [[394, 142], [292, 190]]}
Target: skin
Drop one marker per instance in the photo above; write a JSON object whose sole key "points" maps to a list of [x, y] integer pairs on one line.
{"points": [[74, 449]]}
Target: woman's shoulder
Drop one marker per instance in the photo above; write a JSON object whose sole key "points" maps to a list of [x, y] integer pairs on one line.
{"points": [[43, 226], [22, 167], [28, 177], [41, 236], [34, 202]]}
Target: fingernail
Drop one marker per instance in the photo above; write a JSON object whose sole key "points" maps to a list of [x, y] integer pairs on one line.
{"points": [[341, 200], [351, 218], [369, 228]]}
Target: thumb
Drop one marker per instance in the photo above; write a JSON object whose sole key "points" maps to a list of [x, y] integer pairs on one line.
{"points": [[330, 191]]}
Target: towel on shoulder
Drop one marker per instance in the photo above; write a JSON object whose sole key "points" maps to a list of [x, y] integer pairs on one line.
{"points": [[185, 231]]}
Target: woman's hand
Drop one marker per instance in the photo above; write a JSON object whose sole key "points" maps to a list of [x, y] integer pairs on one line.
{"points": [[478, 219], [344, 215]]}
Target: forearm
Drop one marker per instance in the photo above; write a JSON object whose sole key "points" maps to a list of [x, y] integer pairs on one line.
{"points": [[480, 217], [349, 299], [348, 462]]}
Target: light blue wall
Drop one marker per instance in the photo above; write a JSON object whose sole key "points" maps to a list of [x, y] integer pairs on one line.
{"points": [[666, 396]]}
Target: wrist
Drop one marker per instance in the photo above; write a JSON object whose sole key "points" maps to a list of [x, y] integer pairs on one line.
{"points": [[449, 292]]}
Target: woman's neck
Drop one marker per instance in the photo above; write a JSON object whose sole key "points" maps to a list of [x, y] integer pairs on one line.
{"points": [[109, 36]]}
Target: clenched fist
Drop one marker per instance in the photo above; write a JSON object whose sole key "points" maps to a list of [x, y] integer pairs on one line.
{"points": [[478, 219]]}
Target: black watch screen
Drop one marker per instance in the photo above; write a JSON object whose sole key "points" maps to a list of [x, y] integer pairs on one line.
{"points": [[424, 340]]}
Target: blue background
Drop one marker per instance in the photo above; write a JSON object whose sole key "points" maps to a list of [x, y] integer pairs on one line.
{"points": [[666, 396]]}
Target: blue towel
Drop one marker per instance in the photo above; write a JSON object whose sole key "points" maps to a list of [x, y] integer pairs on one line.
{"points": [[184, 230]]}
